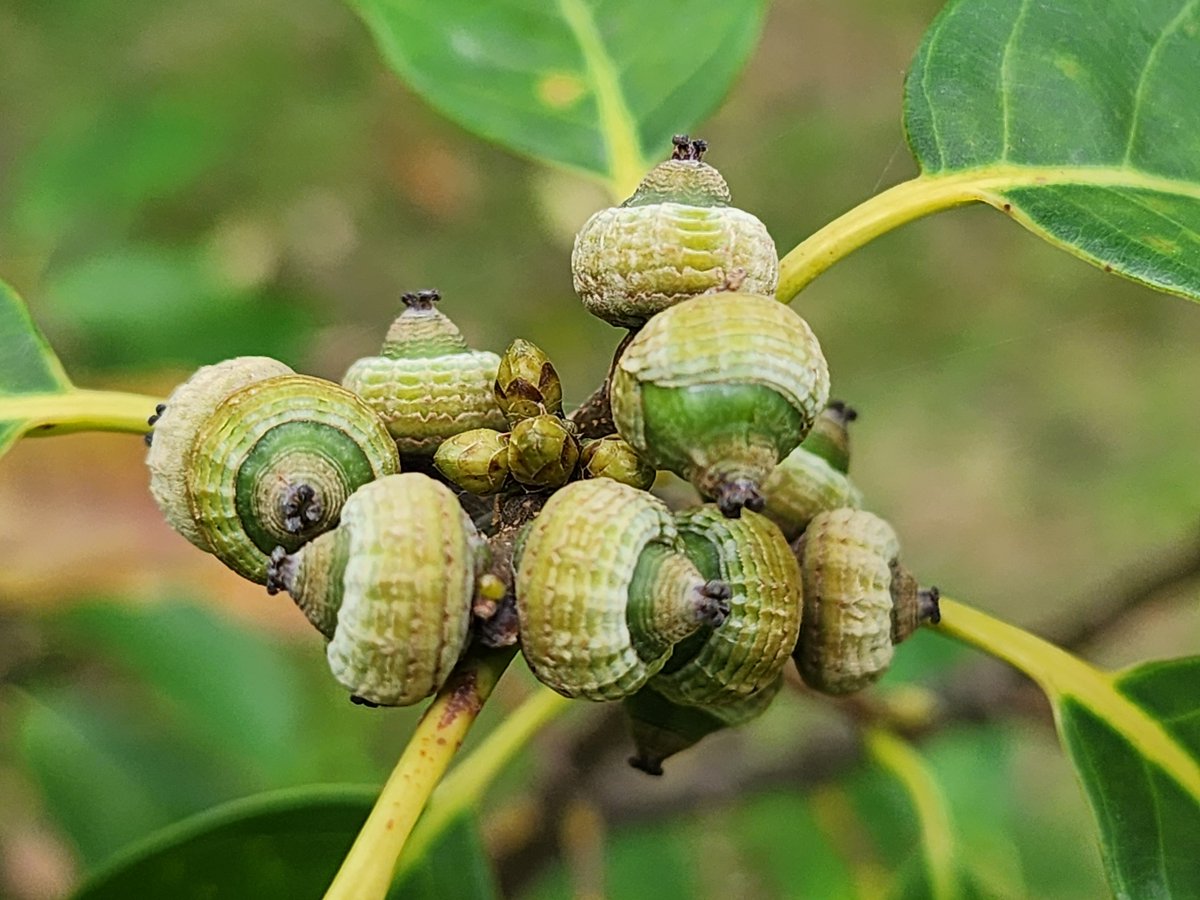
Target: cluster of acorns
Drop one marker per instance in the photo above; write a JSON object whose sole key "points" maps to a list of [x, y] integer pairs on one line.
{"points": [[688, 617]]}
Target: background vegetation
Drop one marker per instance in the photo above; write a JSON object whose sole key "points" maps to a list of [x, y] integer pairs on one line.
{"points": [[180, 183]]}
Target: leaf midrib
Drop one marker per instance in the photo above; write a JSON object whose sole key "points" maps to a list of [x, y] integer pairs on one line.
{"points": [[995, 179]]}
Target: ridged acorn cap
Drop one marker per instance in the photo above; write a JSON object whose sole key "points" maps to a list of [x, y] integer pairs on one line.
{"points": [[675, 238], [391, 587], [859, 601], [718, 390], [751, 647], [605, 591], [427, 384]]}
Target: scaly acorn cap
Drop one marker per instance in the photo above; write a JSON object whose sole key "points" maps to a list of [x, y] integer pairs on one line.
{"points": [[612, 457], [661, 728], [175, 425], [391, 588], [275, 462], [427, 384], [542, 452], [751, 647], [859, 601], [475, 460], [718, 390], [605, 591], [675, 238], [813, 477], [527, 383]]}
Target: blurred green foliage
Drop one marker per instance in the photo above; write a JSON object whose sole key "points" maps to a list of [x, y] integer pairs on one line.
{"points": [[184, 182]]}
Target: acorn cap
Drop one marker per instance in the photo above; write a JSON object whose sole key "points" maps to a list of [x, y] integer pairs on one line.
{"points": [[684, 178], [421, 330]]}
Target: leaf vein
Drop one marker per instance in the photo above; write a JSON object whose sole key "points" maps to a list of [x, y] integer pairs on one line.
{"points": [[1151, 60]]}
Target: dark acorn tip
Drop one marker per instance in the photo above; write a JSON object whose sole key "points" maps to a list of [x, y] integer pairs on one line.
{"points": [[148, 437], [160, 409], [686, 148], [421, 299], [302, 508], [647, 764], [718, 594], [733, 496], [844, 412], [363, 701], [275, 579], [930, 608]]}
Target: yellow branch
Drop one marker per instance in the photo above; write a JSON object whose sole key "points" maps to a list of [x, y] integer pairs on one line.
{"points": [[928, 194], [1060, 674], [937, 831], [466, 784], [78, 410], [366, 872]]}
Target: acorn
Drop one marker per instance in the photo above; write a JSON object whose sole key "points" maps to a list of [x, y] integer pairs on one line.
{"points": [[813, 477], [718, 390], [391, 588], [859, 600], [427, 384], [605, 590], [248, 455], [675, 238]]}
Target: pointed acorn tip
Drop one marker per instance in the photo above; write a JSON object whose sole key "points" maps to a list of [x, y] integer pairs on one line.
{"points": [[302, 507], [844, 411], [733, 496], [686, 148], [647, 764], [421, 299], [929, 606], [716, 609]]}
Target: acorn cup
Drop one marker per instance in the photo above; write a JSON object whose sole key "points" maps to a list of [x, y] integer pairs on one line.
{"points": [[661, 728], [675, 238], [390, 588], [718, 390], [247, 455], [605, 590], [427, 384], [859, 601], [813, 478]]}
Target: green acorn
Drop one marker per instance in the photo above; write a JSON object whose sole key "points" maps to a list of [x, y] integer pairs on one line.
{"points": [[427, 384], [247, 455], [605, 591], [390, 588], [718, 390], [527, 383], [661, 728], [675, 238], [859, 601], [813, 477]]}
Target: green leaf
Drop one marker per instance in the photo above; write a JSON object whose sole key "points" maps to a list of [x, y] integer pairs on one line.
{"points": [[285, 844], [593, 85], [28, 367], [1077, 118], [249, 707], [1134, 738], [456, 865], [1149, 814], [35, 393], [108, 772]]}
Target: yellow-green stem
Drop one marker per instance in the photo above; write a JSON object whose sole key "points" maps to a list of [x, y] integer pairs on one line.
{"points": [[366, 872], [464, 787], [937, 831], [79, 410], [894, 207]]}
